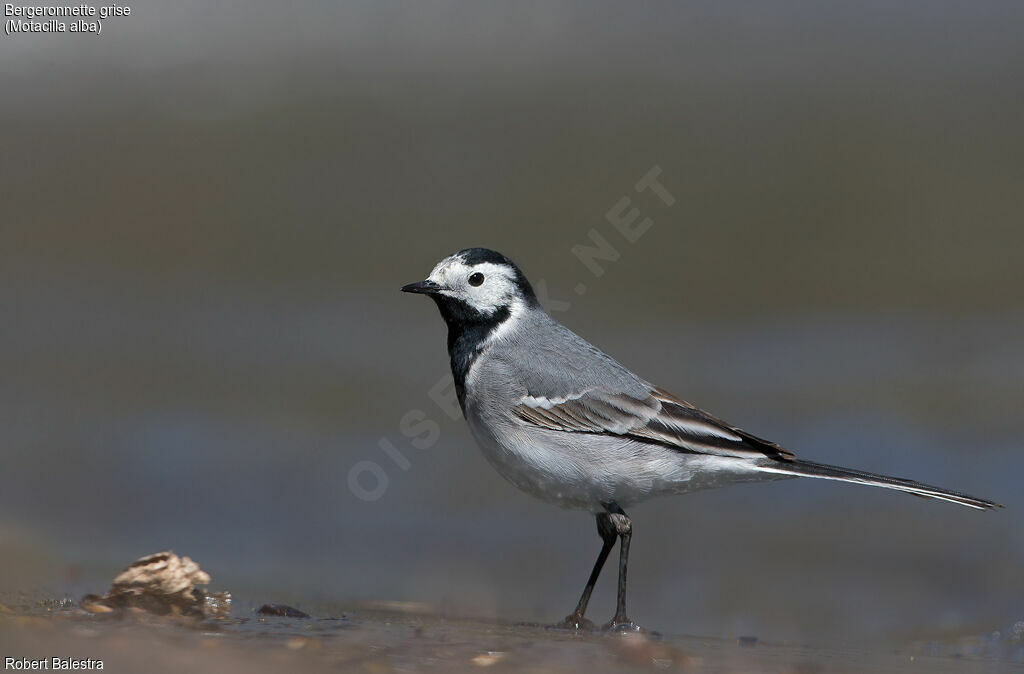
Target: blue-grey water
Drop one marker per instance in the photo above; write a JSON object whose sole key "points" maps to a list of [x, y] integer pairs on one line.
{"points": [[224, 425], [207, 215]]}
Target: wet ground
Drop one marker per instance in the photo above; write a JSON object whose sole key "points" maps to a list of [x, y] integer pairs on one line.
{"points": [[412, 638]]}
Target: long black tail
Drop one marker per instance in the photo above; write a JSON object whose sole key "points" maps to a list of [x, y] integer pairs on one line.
{"points": [[821, 470]]}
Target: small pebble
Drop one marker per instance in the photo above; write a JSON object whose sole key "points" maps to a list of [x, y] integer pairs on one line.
{"points": [[92, 603], [639, 649], [489, 658], [281, 611]]}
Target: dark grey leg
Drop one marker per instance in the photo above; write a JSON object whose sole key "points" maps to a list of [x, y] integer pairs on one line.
{"points": [[624, 530], [608, 534]]}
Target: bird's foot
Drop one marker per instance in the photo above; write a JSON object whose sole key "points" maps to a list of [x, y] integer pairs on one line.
{"points": [[577, 622], [622, 626]]}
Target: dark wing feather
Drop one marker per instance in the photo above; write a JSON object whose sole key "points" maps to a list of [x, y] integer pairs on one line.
{"points": [[660, 418]]}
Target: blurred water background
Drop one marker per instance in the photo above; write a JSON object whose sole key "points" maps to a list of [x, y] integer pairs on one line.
{"points": [[207, 212]]}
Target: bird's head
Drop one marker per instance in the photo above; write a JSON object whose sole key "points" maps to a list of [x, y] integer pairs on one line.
{"points": [[476, 285]]}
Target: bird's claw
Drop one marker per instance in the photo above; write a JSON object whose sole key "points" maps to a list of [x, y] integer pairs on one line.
{"points": [[623, 626], [578, 623]]}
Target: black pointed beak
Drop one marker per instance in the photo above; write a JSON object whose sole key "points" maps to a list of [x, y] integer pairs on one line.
{"points": [[422, 287]]}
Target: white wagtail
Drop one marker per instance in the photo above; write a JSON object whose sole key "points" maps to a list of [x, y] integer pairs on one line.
{"points": [[565, 422]]}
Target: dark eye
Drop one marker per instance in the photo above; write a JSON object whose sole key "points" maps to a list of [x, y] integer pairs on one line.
{"points": [[476, 278]]}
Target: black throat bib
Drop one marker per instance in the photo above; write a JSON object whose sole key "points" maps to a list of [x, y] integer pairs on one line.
{"points": [[468, 329]]}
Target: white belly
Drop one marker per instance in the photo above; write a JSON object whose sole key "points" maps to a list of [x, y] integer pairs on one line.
{"points": [[585, 470]]}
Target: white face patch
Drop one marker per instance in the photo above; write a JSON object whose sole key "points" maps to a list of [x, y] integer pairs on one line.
{"points": [[497, 290]]}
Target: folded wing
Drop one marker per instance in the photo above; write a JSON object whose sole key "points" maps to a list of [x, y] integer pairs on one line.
{"points": [[658, 418]]}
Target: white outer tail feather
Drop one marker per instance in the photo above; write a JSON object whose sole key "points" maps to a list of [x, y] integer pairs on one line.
{"points": [[826, 472]]}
